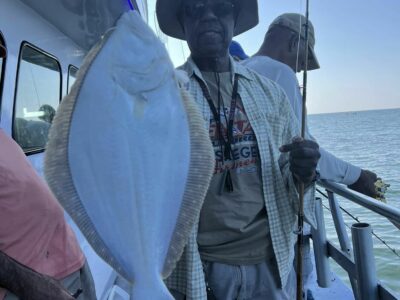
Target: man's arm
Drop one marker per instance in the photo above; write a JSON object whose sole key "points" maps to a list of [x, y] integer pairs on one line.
{"points": [[28, 284], [334, 169], [330, 167]]}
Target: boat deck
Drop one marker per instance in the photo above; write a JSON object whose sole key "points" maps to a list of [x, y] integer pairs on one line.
{"points": [[337, 290]]}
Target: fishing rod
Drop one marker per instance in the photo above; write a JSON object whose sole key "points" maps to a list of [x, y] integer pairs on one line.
{"points": [[300, 236]]}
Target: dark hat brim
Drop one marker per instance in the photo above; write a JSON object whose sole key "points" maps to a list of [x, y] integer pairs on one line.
{"points": [[168, 17], [313, 63], [3, 51]]}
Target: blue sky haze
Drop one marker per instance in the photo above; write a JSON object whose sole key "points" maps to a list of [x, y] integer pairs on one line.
{"points": [[357, 44]]}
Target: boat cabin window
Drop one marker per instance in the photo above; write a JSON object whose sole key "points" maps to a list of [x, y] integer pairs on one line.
{"points": [[37, 98], [2, 67], [72, 70]]}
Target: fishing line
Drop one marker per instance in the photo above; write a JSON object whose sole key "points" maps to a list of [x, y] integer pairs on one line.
{"points": [[157, 28], [130, 5], [163, 38], [357, 219], [183, 51], [299, 38]]}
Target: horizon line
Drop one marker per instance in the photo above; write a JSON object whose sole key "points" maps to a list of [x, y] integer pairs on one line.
{"points": [[352, 111]]}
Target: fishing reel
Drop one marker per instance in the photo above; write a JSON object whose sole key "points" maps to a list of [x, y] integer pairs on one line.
{"points": [[381, 188]]}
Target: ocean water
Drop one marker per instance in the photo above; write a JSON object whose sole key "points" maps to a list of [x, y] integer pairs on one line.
{"points": [[370, 140]]}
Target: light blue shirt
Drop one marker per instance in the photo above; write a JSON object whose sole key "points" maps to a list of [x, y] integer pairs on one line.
{"points": [[330, 167]]}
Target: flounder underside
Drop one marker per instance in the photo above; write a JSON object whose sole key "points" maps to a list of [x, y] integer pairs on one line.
{"points": [[129, 157]]}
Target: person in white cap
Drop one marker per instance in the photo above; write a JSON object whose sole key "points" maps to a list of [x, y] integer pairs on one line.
{"points": [[279, 58], [243, 245], [282, 55]]}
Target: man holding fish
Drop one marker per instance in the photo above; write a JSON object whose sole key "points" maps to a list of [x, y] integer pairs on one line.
{"points": [[242, 247]]}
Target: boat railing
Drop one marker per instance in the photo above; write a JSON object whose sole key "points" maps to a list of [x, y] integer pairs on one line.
{"points": [[355, 257]]}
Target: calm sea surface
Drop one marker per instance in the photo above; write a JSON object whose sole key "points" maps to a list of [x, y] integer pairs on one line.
{"points": [[369, 140]]}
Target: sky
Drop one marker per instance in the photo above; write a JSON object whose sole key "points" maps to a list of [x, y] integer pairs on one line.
{"points": [[357, 45]]}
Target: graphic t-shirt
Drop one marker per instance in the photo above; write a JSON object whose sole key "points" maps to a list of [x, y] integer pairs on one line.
{"points": [[233, 226]]}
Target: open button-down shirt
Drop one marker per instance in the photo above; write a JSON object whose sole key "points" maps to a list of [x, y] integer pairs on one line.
{"points": [[274, 125]]}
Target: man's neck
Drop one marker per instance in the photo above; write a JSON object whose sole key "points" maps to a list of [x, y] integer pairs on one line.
{"points": [[213, 64], [267, 51], [276, 54]]}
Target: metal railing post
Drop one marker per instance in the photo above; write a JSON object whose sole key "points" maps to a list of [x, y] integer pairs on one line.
{"points": [[341, 231], [378, 207], [365, 262], [320, 247]]}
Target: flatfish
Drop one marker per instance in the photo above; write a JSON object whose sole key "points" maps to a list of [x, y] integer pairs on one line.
{"points": [[129, 157]]}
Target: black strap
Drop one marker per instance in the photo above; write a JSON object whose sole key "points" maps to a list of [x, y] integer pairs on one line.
{"points": [[216, 113], [232, 113], [228, 153]]}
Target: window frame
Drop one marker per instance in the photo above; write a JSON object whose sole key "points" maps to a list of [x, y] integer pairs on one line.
{"points": [[2, 71], [49, 55], [70, 67]]}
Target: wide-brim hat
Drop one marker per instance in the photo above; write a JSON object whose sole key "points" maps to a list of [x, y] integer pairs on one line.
{"points": [[296, 23], [313, 63], [3, 51], [168, 17]]}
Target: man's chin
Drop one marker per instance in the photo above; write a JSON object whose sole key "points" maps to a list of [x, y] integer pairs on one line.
{"points": [[212, 50]]}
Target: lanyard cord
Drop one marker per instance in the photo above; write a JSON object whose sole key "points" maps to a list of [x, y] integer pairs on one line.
{"points": [[228, 153], [218, 121], [217, 116]]}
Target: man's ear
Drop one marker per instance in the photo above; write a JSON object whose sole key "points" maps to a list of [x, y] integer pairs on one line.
{"points": [[183, 27], [180, 20], [293, 43]]}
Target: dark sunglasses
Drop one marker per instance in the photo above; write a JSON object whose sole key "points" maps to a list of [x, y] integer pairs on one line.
{"points": [[220, 9]]}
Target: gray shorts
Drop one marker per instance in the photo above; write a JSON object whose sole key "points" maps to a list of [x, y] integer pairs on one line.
{"points": [[81, 279]]}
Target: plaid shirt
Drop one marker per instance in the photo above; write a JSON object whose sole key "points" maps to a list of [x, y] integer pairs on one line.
{"points": [[274, 125]]}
